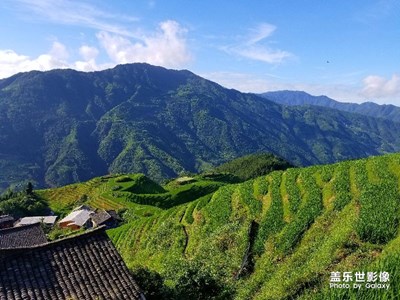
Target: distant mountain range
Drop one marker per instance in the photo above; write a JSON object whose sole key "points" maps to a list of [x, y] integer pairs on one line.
{"points": [[64, 126], [293, 98]]}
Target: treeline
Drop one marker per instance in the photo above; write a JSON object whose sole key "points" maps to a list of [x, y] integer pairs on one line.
{"points": [[253, 166], [22, 203]]}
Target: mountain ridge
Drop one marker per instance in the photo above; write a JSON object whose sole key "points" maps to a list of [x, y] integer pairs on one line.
{"points": [[369, 108], [64, 126]]}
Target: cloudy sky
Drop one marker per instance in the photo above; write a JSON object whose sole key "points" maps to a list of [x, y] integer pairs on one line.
{"points": [[348, 50]]}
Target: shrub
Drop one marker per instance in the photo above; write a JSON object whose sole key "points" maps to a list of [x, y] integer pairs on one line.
{"points": [[152, 284], [197, 282]]}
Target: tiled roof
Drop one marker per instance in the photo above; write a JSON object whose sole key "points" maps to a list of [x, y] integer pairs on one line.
{"points": [[86, 266], [37, 219], [78, 217], [22, 236], [6, 218], [114, 215], [100, 217], [85, 207]]}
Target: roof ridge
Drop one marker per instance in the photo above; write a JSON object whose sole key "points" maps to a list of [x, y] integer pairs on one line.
{"points": [[38, 217], [78, 267], [15, 228], [98, 230]]}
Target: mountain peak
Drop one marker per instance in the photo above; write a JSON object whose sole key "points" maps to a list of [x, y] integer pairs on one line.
{"points": [[64, 126]]}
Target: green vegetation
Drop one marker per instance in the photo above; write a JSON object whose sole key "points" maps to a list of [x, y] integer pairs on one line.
{"points": [[64, 126], [253, 166], [305, 215], [379, 213], [272, 221], [276, 237], [21, 204], [390, 112], [135, 195], [58, 233]]}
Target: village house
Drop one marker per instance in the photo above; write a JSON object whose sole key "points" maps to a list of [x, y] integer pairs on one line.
{"points": [[85, 217], [6, 221], [85, 266], [109, 218], [22, 236], [47, 220], [79, 218]]}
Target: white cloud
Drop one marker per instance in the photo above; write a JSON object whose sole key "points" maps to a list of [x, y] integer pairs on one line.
{"points": [[166, 47], [9, 57], [268, 82], [260, 33], [89, 54], [379, 87], [252, 46], [56, 58], [59, 51], [264, 54], [74, 13], [12, 62]]}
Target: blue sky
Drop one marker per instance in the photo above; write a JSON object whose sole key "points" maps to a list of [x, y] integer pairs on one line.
{"points": [[348, 50]]}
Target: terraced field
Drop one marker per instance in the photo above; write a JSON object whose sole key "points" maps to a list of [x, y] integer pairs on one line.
{"points": [[107, 192], [279, 236], [135, 192]]}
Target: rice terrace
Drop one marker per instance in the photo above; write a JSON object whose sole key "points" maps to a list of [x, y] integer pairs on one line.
{"points": [[175, 150], [277, 236]]}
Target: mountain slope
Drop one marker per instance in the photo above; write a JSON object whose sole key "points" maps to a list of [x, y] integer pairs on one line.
{"points": [[385, 111], [276, 237], [65, 126]]}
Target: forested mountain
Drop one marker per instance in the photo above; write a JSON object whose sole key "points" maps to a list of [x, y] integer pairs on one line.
{"points": [[65, 126], [385, 111]]}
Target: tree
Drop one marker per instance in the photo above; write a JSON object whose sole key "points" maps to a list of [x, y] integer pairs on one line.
{"points": [[152, 284], [29, 189], [197, 282]]}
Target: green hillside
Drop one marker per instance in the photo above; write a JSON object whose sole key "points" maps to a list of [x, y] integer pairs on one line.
{"points": [[275, 237], [253, 166], [134, 193], [63, 126]]}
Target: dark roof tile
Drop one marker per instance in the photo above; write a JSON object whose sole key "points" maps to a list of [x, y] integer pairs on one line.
{"points": [[100, 217], [22, 236], [86, 266], [6, 218], [114, 215]]}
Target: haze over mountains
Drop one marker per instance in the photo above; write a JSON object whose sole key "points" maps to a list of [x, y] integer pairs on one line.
{"points": [[65, 126], [386, 111]]}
